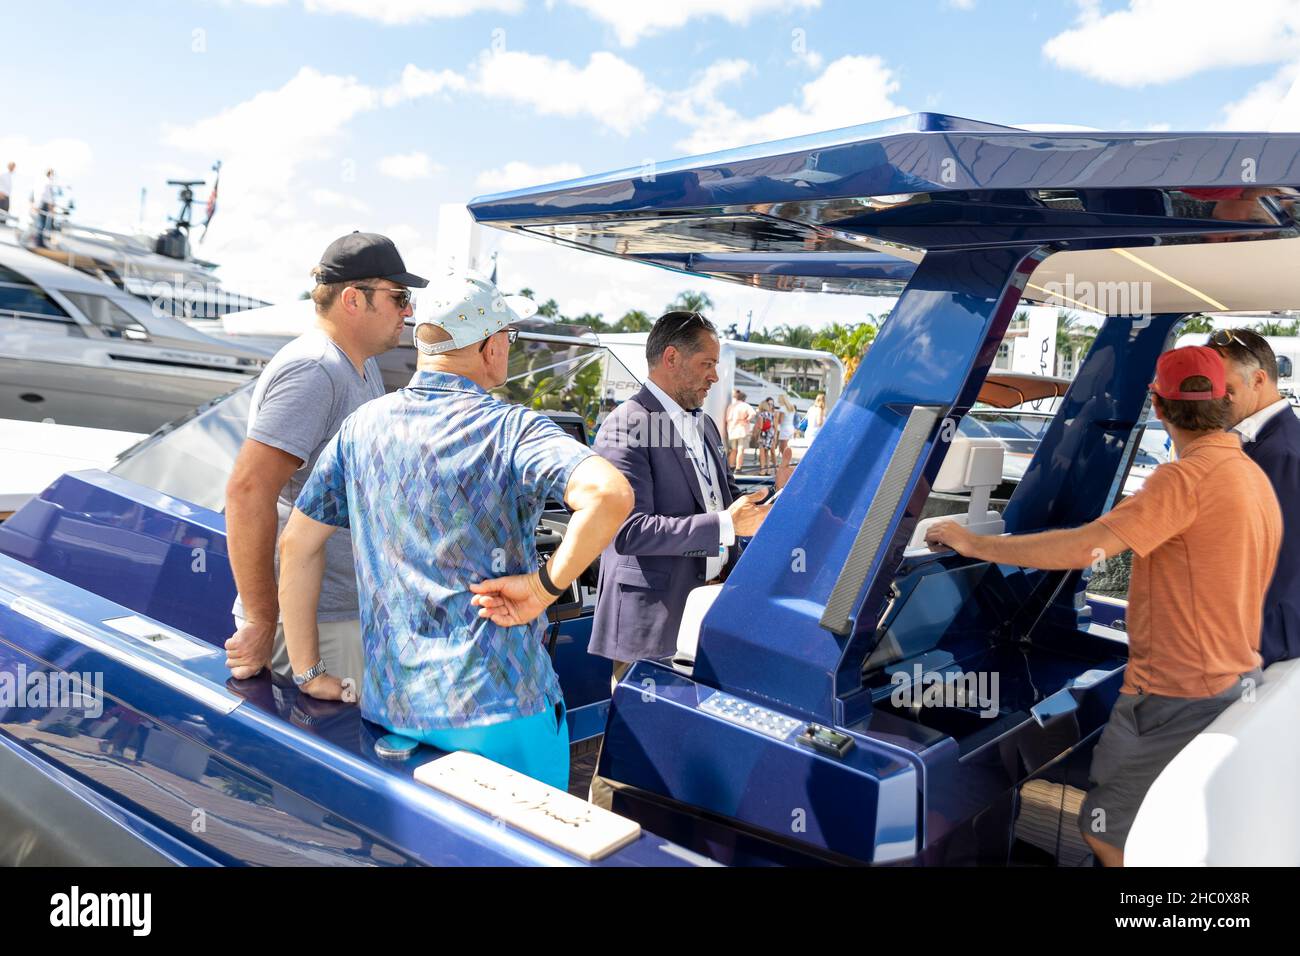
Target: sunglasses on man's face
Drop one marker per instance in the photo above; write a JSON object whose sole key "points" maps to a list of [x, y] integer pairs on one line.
{"points": [[511, 335], [403, 297]]}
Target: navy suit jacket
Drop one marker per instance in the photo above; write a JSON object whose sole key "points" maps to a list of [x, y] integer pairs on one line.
{"points": [[1276, 449], [659, 553]]}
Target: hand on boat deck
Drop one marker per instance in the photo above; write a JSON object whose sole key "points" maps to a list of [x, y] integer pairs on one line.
{"points": [[249, 649], [329, 687], [509, 601], [949, 534], [747, 514]]}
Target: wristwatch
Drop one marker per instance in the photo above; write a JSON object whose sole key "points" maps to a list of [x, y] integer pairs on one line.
{"points": [[311, 674]]}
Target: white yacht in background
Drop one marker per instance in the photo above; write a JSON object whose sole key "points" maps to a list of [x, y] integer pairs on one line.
{"points": [[160, 270], [80, 348]]}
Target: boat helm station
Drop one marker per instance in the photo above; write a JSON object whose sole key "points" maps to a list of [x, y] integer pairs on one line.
{"points": [[776, 734]]}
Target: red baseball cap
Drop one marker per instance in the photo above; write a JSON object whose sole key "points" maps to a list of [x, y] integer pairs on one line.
{"points": [[1176, 365]]}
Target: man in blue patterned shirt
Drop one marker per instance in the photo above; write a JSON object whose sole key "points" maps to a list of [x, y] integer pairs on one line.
{"points": [[442, 485]]}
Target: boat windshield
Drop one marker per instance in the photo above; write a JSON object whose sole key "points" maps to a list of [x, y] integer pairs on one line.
{"points": [[191, 458]]}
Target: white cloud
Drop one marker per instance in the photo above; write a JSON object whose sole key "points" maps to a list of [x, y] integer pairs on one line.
{"points": [[417, 250], [1158, 41], [69, 158], [804, 55], [633, 19], [851, 90], [393, 12], [264, 239], [407, 166], [699, 105], [330, 198], [266, 138], [608, 89], [1260, 108], [416, 83], [516, 175]]}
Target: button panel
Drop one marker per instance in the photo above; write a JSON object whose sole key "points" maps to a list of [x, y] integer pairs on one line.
{"points": [[737, 711]]}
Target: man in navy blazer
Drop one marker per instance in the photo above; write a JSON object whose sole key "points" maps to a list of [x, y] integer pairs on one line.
{"points": [[688, 512], [1270, 435]]}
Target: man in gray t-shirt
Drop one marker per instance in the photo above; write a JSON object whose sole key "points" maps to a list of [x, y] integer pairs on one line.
{"points": [[362, 301]]}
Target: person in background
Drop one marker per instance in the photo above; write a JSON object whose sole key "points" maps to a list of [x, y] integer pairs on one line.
{"points": [[784, 432], [45, 207], [1270, 436], [739, 418], [1205, 531], [765, 430], [362, 299], [6, 189], [816, 418], [442, 485], [687, 513]]}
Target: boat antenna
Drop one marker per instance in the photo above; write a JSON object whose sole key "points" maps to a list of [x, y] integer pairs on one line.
{"points": [[175, 242]]}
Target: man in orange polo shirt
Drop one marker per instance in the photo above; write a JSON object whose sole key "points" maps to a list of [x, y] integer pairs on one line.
{"points": [[1205, 532]]}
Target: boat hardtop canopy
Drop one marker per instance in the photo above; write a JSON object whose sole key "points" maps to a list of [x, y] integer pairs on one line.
{"points": [[855, 210]]}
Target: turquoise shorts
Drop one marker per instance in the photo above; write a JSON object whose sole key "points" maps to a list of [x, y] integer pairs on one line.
{"points": [[537, 746]]}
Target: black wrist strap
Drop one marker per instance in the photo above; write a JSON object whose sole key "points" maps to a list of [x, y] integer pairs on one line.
{"points": [[547, 583]]}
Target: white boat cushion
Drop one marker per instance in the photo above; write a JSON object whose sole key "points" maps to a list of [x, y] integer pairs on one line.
{"points": [[1229, 798]]}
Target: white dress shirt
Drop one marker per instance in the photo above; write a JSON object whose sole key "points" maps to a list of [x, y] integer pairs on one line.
{"points": [[1249, 426], [706, 474], [6, 182]]}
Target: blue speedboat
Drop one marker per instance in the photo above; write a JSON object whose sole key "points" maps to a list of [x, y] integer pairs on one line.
{"points": [[788, 728]]}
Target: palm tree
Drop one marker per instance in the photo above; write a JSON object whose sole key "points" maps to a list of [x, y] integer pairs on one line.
{"points": [[1197, 323], [690, 301], [634, 320], [594, 322], [1074, 337], [795, 336], [1274, 327], [848, 343]]}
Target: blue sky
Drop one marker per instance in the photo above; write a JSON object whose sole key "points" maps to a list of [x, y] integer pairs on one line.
{"points": [[332, 115]]}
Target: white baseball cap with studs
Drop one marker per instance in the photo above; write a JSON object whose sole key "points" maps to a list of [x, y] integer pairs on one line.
{"points": [[467, 307]]}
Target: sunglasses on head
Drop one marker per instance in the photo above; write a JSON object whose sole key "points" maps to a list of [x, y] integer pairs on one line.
{"points": [[511, 335], [684, 320], [1226, 337], [403, 297]]}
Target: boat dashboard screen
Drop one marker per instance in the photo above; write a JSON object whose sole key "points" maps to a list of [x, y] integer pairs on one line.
{"points": [[931, 604]]}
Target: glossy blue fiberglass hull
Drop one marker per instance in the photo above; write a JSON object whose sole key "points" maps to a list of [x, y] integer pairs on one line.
{"points": [[185, 764]]}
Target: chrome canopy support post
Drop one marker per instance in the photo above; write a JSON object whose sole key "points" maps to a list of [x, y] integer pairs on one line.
{"points": [[793, 621]]}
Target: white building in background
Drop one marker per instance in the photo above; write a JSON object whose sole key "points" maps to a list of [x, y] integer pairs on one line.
{"points": [[1030, 343]]}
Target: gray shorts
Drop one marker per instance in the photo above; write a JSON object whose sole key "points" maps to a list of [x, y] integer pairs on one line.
{"points": [[1144, 733]]}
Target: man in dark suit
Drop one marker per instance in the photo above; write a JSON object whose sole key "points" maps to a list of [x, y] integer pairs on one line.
{"points": [[688, 512], [1270, 435]]}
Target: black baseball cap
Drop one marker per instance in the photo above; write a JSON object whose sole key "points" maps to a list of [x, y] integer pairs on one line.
{"points": [[365, 255]]}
